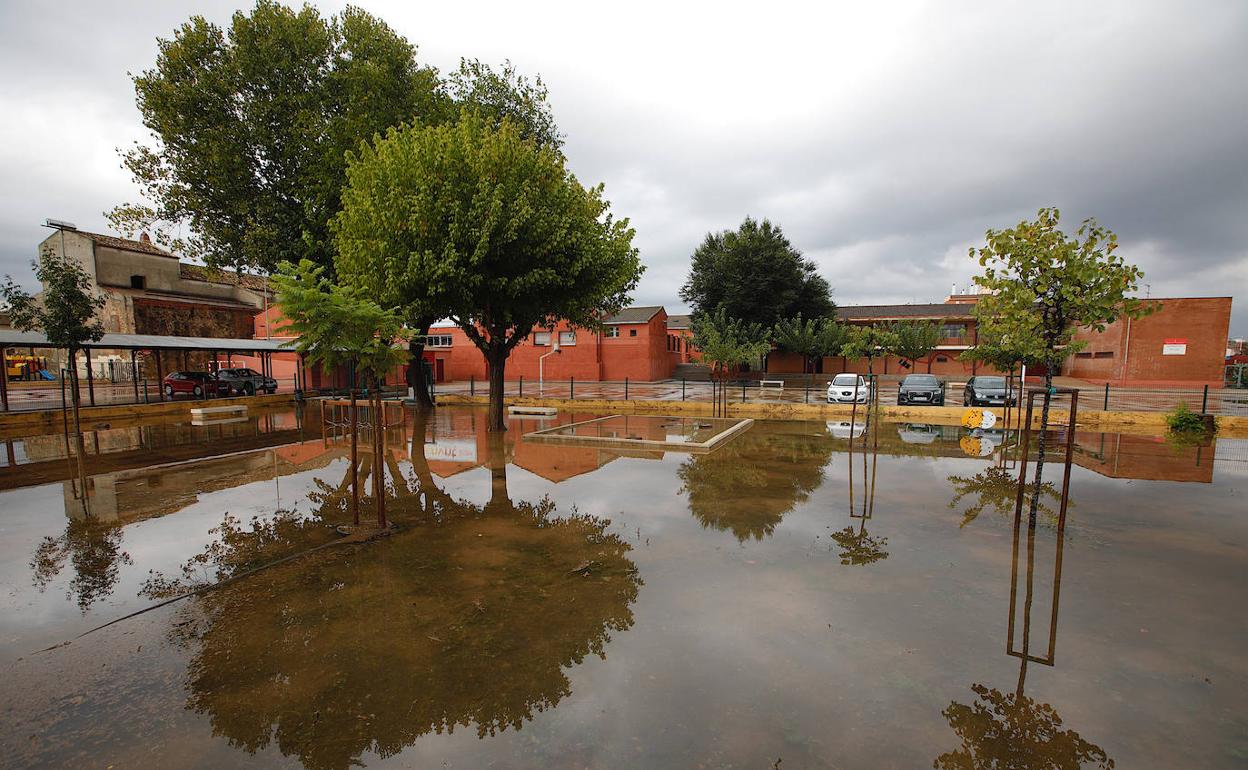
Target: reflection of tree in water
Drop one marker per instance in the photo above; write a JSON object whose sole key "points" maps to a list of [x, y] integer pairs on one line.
{"points": [[469, 617], [1009, 730], [995, 488], [859, 547], [93, 550], [749, 484]]}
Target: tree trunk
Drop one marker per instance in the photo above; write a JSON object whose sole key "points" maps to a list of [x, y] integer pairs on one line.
{"points": [[1040, 445], [496, 360], [496, 458], [416, 372], [79, 446]]}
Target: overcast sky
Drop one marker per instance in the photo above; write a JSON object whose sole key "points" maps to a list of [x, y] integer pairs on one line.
{"points": [[883, 139]]}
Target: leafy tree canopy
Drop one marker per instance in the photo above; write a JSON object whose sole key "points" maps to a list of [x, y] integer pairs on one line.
{"points": [[811, 337], [754, 273], [505, 94], [1040, 282], [250, 126], [915, 339], [67, 309], [727, 343], [487, 227], [1006, 342], [869, 342], [337, 325]]}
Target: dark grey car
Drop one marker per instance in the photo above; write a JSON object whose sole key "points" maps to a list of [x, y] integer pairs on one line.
{"points": [[247, 381], [987, 391], [921, 389]]}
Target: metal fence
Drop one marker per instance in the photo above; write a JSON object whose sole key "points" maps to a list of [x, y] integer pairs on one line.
{"points": [[36, 396], [1209, 400]]}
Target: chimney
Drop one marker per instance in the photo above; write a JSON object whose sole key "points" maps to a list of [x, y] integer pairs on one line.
{"points": [[144, 237]]}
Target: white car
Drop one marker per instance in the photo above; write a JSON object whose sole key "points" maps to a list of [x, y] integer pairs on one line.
{"points": [[848, 388]]}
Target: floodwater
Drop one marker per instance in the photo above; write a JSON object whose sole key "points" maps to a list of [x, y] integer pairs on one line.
{"points": [[790, 599]]}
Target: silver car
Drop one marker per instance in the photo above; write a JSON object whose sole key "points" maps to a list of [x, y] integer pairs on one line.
{"points": [[848, 388]]}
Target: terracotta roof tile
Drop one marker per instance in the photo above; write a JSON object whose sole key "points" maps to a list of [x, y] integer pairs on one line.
{"points": [[126, 244]]}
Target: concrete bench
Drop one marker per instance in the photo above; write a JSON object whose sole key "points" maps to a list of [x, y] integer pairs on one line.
{"points": [[544, 411], [771, 384], [201, 412]]}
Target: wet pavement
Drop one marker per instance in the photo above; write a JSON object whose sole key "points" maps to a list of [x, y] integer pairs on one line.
{"points": [[793, 596]]}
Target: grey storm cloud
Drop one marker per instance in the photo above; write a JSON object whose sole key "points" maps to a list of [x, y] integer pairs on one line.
{"points": [[884, 140]]}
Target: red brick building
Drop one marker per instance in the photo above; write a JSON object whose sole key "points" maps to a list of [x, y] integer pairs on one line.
{"points": [[1182, 342], [632, 344], [955, 316]]}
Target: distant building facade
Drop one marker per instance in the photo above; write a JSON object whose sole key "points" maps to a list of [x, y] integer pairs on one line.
{"points": [[148, 290]]}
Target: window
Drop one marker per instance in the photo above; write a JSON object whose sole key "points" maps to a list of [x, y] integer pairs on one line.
{"points": [[1083, 355], [952, 330], [632, 332], [438, 341], [567, 338], [138, 282], [541, 338], [611, 332], [941, 359]]}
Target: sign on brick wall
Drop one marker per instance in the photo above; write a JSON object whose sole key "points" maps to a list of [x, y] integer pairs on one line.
{"points": [[1174, 347]]}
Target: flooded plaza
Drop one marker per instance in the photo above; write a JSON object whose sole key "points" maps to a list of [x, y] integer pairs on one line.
{"points": [[803, 594]]}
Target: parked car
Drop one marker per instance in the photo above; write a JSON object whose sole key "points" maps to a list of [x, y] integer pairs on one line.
{"points": [[848, 388], [247, 381], [195, 383], [987, 391], [921, 389]]}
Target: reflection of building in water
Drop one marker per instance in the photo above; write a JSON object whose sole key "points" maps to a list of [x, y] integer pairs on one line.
{"points": [[1150, 458], [457, 440], [133, 495], [137, 446]]}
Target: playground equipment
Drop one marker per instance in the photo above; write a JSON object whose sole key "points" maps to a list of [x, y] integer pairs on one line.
{"points": [[26, 368]]}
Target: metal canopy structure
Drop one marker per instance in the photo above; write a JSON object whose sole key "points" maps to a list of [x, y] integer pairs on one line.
{"points": [[154, 343], [12, 338]]}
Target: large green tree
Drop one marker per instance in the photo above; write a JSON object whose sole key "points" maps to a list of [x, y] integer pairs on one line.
{"points": [[495, 224], [1045, 285], [755, 274], [250, 126], [385, 260], [728, 343]]}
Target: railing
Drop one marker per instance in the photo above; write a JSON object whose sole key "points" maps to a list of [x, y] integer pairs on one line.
{"points": [[1209, 400]]}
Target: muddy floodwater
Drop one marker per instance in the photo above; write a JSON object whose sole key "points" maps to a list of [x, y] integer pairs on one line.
{"points": [[805, 594]]}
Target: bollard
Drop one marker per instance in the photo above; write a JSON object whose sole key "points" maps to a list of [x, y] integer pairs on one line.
{"points": [[1106, 407], [145, 392], [808, 391], [625, 388], [521, 386], [472, 384], [1204, 401], [571, 388], [682, 388]]}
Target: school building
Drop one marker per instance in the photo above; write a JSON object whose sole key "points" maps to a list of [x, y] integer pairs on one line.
{"points": [[1182, 342]]}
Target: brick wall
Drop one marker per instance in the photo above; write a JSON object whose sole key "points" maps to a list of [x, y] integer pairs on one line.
{"points": [[1134, 351]]}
